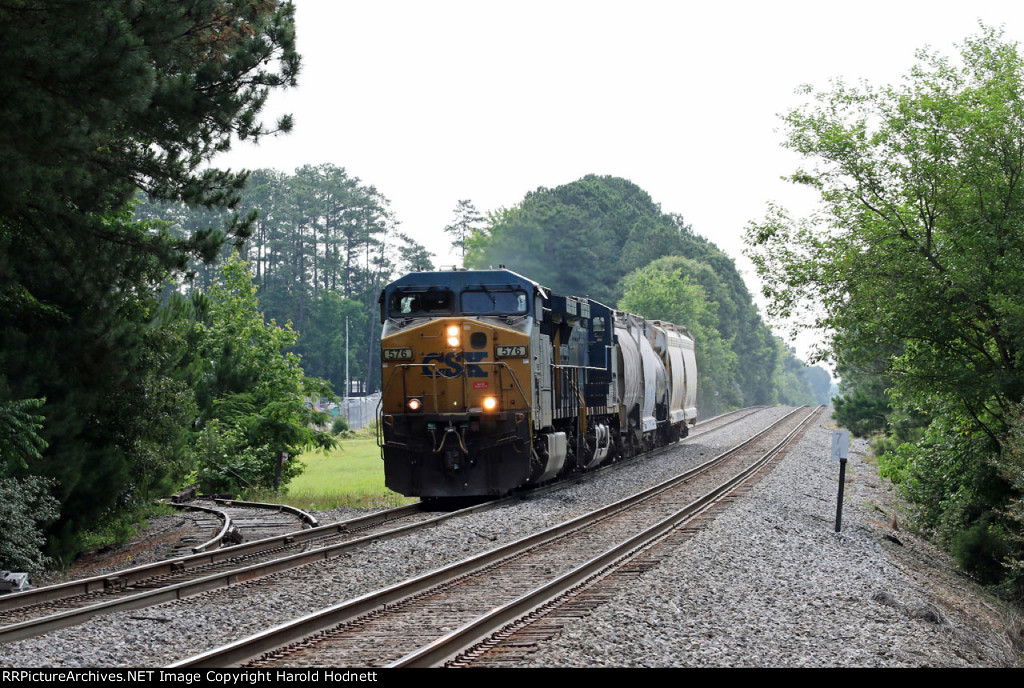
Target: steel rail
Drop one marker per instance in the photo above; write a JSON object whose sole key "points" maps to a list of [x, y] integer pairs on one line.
{"points": [[247, 648], [216, 540], [135, 574], [176, 565], [126, 578], [34, 627], [458, 641], [715, 423], [312, 520]]}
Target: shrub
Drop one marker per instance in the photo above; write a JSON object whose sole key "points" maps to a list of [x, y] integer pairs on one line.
{"points": [[981, 551], [340, 427], [862, 414], [1010, 464], [28, 507]]}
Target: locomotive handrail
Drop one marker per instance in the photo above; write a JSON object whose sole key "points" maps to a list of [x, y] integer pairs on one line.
{"points": [[574, 384], [511, 372], [387, 386], [380, 422], [583, 409]]}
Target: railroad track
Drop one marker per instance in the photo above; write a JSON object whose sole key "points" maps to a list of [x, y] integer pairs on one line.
{"points": [[454, 605], [235, 521], [38, 611], [508, 637], [721, 421]]}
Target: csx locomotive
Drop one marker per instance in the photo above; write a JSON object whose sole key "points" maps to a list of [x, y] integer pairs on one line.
{"points": [[491, 383]]}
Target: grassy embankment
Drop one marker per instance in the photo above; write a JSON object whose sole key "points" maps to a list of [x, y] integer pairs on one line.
{"points": [[351, 475]]}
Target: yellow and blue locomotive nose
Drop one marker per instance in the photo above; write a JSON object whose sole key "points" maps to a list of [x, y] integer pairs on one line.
{"points": [[454, 365], [455, 408]]}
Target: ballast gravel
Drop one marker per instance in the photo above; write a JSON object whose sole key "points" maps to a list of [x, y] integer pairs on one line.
{"points": [[767, 583], [770, 583]]}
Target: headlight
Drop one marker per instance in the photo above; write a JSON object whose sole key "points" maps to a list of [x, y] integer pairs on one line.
{"points": [[490, 403], [454, 339], [414, 404]]}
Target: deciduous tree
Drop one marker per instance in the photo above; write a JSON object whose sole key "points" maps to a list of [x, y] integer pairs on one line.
{"points": [[659, 292], [919, 244], [257, 405], [915, 261]]}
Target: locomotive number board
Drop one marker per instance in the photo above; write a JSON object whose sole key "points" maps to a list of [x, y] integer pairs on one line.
{"points": [[510, 351], [397, 354]]}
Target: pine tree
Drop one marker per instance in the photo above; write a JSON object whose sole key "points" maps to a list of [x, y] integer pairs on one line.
{"points": [[466, 221], [103, 98]]}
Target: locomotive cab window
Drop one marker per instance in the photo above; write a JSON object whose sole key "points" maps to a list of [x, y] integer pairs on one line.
{"points": [[486, 301], [418, 304]]}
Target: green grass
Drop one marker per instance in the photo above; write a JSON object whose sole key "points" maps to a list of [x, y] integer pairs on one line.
{"points": [[351, 475]]}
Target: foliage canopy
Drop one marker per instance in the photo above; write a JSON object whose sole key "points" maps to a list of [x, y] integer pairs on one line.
{"points": [[101, 98], [104, 97], [918, 247], [604, 237], [256, 404], [912, 269]]}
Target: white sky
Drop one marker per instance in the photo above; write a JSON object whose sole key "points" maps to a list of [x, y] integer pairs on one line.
{"points": [[433, 102]]}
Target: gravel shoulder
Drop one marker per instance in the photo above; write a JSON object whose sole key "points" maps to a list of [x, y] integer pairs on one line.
{"points": [[771, 584]]}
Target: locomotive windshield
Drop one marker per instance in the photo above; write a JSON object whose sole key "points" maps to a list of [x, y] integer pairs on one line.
{"points": [[420, 304], [486, 301]]}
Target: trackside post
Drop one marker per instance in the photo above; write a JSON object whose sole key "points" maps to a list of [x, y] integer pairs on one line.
{"points": [[840, 453]]}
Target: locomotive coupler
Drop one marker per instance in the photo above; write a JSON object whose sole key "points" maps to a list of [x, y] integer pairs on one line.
{"points": [[452, 460], [456, 448]]}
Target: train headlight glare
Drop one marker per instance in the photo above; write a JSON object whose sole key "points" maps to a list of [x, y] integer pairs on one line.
{"points": [[490, 404], [414, 404], [453, 336]]}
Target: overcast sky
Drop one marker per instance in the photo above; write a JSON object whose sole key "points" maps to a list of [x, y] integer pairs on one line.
{"points": [[433, 102]]}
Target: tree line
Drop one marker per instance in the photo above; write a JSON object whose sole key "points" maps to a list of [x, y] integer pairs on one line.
{"points": [[323, 245], [604, 237], [912, 270]]}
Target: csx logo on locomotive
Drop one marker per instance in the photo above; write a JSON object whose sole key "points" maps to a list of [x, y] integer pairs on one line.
{"points": [[454, 363]]}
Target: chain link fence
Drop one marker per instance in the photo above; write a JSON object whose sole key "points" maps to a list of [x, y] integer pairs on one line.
{"points": [[358, 412]]}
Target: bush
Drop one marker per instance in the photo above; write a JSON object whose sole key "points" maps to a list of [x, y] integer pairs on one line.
{"points": [[123, 527], [862, 414], [981, 551], [340, 427], [947, 477], [28, 507], [228, 464], [1010, 464]]}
